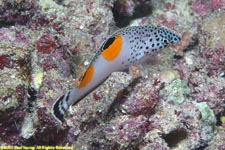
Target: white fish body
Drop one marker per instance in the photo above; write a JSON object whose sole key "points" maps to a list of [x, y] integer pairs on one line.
{"points": [[123, 48]]}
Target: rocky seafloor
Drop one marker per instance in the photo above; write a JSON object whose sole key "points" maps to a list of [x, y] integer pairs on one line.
{"points": [[176, 101]]}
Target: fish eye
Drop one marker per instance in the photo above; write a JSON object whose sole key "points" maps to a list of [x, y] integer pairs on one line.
{"points": [[176, 39]]}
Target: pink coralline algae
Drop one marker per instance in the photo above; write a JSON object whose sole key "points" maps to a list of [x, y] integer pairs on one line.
{"points": [[17, 11], [169, 22], [203, 7], [169, 6], [47, 63], [216, 57], [45, 44], [10, 34], [5, 61], [212, 95], [57, 59], [20, 93], [45, 131], [217, 4], [126, 129], [142, 99], [11, 120]]}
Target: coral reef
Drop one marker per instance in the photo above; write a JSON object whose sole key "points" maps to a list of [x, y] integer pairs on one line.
{"points": [[17, 12], [175, 100]]}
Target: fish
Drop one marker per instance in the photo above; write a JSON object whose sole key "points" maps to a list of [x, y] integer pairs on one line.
{"points": [[123, 48]]}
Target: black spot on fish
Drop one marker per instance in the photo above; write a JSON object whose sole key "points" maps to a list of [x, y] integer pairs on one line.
{"points": [[108, 43], [153, 45]]}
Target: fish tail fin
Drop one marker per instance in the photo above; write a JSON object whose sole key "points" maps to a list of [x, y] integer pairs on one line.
{"points": [[60, 107]]}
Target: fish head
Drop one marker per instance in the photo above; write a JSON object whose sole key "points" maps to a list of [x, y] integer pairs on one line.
{"points": [[169, 37]]}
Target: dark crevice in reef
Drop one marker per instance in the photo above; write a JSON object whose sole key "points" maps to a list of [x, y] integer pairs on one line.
{"points": [[59, 2], [123, 18], [175, 137], [202, 147]]}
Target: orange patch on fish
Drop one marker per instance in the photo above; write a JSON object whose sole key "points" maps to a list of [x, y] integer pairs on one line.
{"points": [[77, 83], [86, 78], [79, 78], [112, 51]]}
